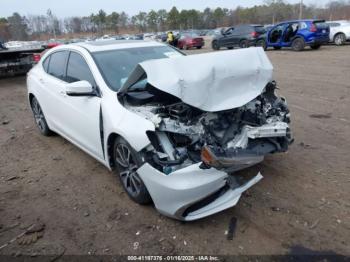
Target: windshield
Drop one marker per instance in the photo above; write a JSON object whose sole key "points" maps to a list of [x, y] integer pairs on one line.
{"points": [[116, 65], [260, 29]]}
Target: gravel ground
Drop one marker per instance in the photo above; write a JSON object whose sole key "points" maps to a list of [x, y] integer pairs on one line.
{"points": [[303, 202]]}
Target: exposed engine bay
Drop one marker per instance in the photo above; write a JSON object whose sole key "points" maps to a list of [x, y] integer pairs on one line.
{"points": [[227, 140]]}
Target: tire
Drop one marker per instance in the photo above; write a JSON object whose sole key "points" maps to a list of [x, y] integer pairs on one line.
{"points": [[298, 44], [339, 39], [277, 47], [215, 45], [261, 43], [230, 47], [39, 118], [315, 47], [127, 161], [243, 44]]}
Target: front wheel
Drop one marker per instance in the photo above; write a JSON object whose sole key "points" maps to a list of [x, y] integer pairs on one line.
{"points": [[127, 161], [315, 47], [40, 118], [339, 39], [215, 45], [298, 44]]}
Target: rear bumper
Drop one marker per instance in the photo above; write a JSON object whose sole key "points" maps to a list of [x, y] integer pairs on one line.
{"points": [[318, 41], [192, 193]]}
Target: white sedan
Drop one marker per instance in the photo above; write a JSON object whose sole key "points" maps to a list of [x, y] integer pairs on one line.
{"points": [[173, 127]]}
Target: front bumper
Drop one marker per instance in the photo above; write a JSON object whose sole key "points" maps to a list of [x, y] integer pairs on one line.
{"points": [[192, 193]]}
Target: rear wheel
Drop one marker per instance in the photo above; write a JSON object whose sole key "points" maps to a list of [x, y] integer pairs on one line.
{"points": [[315, 46], [298, 44], [339, 39], [215, 45], [40, 118], [261, 43], [127, 161], [243, 44]]}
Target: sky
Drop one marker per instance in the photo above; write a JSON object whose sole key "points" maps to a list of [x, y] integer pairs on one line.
{"points": [[66, 8]]}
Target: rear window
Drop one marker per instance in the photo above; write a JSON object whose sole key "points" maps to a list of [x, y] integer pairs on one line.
{"points": [[321, 24], [192, 35], [260, 29]]}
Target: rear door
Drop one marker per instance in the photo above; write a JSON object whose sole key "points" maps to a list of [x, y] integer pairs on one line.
{"points": [[53, 87]]}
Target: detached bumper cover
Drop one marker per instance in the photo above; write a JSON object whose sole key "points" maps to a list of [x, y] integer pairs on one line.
{"points": [[192, 193]]}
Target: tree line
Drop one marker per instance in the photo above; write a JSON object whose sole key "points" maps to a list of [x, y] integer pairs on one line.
{"points": [[17, 27]]}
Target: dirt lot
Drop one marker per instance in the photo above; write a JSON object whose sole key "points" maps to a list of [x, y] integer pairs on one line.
{"points": [[303, 200]]}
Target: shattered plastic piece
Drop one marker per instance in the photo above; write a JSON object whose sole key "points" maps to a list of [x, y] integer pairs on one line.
{"points": [[232, 228]]}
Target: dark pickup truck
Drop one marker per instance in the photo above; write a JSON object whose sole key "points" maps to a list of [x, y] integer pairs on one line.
{"points": [[18, 60]]}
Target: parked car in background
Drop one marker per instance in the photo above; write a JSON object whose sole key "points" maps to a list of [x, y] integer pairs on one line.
{"points": [[187, 40], [53, 43], [296, 34], [339, 31], [240, 35]]}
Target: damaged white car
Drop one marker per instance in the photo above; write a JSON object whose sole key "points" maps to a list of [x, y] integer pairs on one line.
{"points": [[173, 127]]}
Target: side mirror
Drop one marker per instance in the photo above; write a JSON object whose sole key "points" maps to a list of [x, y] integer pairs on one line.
{"points": [[80, 88]]}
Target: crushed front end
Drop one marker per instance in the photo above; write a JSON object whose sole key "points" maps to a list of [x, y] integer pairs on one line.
{"points": [[209, 122], [192, 152]]}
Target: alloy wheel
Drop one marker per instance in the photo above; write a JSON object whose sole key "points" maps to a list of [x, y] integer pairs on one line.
{"points": [[128, 167], [38, 115], [339, 39]]}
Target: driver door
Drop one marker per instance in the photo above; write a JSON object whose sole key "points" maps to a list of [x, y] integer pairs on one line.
{"points": [[81, 114]]}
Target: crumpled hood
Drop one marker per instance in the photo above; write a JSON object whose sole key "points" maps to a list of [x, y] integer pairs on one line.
{"points": [[213, 81]]}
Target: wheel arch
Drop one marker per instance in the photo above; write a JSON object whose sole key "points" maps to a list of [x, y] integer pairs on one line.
{"points": [[30, 98], [110, 142], [336, 34]]}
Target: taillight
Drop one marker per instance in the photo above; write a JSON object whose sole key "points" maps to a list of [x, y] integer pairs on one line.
{"points": [[313, 28], [36, 57], [254, 34]]}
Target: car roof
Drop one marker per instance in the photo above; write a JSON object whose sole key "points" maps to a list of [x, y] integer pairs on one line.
{"points": [[302, 20], [97, 46]]}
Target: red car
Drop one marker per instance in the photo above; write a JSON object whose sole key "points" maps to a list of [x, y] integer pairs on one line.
{"points": [[190, 40]]}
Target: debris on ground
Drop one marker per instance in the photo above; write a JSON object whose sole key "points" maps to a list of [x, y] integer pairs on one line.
{"points": [[231, 228], [275, 209], [321, 116], [12, 178], [29, 236], [314, 225]]}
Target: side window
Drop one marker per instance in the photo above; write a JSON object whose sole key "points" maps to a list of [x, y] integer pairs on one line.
{"points": [[78, 70], [46, 64], [302, 25], [57, 65]]}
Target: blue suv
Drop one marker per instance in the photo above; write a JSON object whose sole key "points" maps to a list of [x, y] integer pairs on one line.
{"points": [[296, 34]]}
